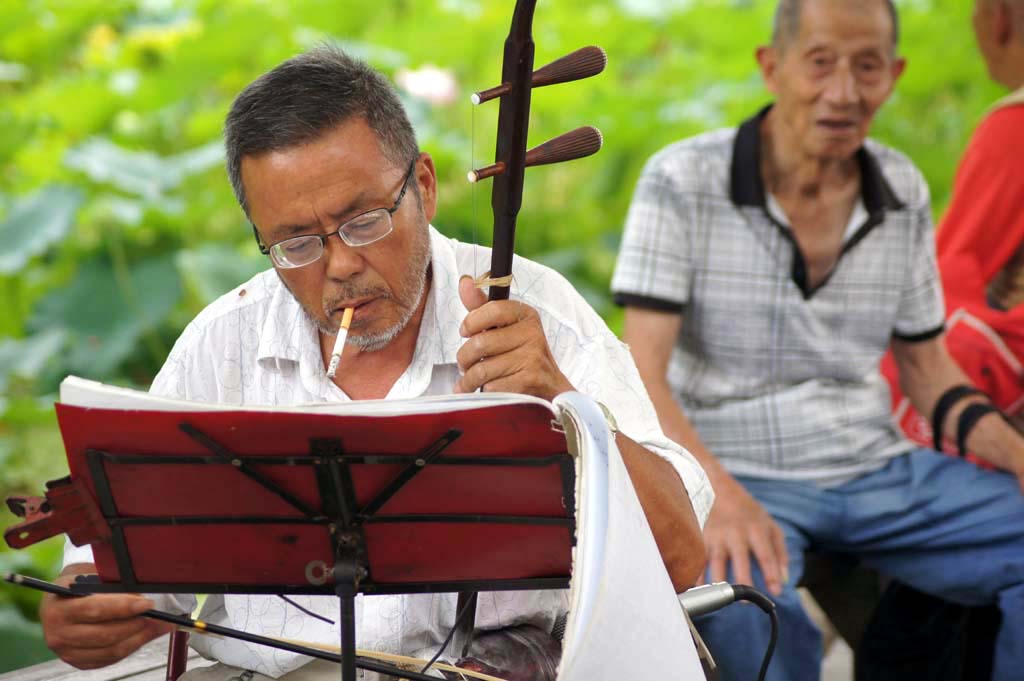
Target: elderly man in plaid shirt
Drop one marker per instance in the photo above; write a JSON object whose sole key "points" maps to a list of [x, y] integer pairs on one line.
{"points": [[765, 270]]}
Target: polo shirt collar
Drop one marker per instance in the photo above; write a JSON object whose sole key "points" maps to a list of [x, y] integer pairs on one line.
{"points": [[747, 186], [1015, 98], [746, 189]]}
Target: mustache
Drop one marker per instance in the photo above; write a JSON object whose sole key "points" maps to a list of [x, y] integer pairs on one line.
{"points": [[353, 292]]}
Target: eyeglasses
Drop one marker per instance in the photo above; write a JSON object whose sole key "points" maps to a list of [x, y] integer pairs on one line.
{"points": [[362, 230]]}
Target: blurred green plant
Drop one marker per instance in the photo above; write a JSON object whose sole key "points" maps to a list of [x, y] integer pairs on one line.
{"points": [[117, 224]]}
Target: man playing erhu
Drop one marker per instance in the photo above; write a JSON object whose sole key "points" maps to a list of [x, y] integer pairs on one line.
{"points": [[325, 164]]}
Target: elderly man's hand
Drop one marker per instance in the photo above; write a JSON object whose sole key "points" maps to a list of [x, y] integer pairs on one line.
{"points": [[505, 350], [739, 528], [98, 630]]}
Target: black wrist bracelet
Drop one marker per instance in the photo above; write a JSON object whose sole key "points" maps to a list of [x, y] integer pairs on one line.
{"points": [[969, 417], [942, 407]]}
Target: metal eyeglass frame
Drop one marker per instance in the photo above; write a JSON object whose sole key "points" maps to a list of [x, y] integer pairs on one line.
{"points": [[265, 250]]}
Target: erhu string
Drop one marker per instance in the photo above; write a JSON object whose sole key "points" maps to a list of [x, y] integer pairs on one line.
{"points": [[472, 189]]}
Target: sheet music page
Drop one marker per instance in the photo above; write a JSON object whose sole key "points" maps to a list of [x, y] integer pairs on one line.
{"points": [[81, 392], [628, 621]]}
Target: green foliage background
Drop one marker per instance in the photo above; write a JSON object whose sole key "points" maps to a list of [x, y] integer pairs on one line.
{"points": [[117, 224]]}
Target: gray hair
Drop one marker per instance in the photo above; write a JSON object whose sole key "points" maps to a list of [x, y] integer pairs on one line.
{"points": [[787, 22], [305, 97]]}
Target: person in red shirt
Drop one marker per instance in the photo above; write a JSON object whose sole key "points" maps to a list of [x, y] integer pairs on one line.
{"points": [[980, 246], [980, 240]]}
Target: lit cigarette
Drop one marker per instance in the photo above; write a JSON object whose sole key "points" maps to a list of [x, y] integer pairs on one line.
{"points": [[339, 343]]}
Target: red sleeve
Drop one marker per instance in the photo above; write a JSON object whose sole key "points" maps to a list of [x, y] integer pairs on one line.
{"points": [[985, 219], [980, 232], [984, 225]]}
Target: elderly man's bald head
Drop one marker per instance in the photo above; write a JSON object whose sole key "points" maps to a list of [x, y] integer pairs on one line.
{"points": [[1017, 8], [787, 19], [999, 28]]}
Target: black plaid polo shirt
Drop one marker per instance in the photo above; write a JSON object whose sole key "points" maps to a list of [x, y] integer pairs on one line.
{"points": [[780, 380]]}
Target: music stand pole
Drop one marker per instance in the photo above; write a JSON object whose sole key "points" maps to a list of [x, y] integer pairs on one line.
{"points": [[345, 588]]}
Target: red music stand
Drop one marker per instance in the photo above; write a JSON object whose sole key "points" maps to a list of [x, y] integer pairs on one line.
{"points": [[469, 500]]}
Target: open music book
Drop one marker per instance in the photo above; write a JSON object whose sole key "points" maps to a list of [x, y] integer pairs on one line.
{"points": [[465, 471], [82, 392], [624, 618]]}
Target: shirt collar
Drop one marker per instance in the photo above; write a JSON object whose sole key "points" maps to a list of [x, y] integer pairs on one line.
{"points": [[439, 339], [1014, 98], [747, 185], [288, 334]]}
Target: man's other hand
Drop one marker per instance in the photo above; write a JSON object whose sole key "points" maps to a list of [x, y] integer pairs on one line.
{"points": [[737, 527], [97, 630], [505, 350]]}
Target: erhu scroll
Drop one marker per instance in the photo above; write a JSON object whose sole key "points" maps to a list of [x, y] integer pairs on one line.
{"points": [[511, 157]]}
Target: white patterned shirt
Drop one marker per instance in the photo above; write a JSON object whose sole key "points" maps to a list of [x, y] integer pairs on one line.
{"points": [[780, 378], [255, 346]]}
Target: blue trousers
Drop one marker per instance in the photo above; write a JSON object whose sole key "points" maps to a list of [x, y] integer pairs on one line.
{"points": [[940, 524]]}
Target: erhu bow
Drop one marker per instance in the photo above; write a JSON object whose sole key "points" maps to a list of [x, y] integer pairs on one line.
{"points": [[511, 157]]}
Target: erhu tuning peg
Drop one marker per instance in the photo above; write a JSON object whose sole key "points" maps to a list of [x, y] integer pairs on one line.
{"points": [[485, 172], [583, 63], [571, 145]]}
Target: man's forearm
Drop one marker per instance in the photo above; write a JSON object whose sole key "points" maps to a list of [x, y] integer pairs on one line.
{"points": [[926, 377], [679, 429], [666, 504]]}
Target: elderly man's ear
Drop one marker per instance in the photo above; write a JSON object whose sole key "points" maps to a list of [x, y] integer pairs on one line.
{"points": [[767, 59]]}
